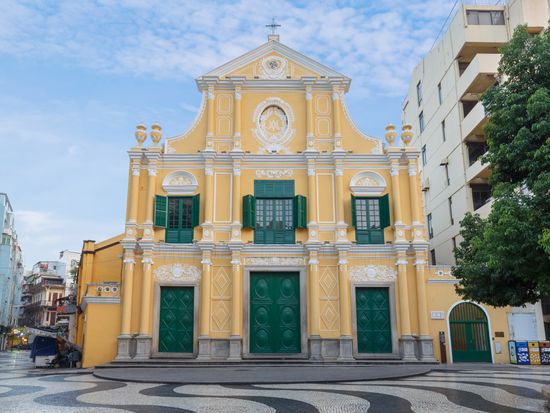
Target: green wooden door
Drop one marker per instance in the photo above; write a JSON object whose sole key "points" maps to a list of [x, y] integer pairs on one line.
{"points": [[275, 313], [373, 320], [469, 334], [176, 319]]}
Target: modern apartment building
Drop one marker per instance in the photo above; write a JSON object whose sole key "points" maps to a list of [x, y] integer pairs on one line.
{"points": [[11, 269], [443, 105]]}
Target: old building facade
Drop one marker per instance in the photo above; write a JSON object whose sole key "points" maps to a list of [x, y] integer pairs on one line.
{"points": [[272, 228]]}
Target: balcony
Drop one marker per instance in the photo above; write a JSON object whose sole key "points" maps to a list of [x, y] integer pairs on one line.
{"points": [[479, 75], [473, 122], [478, 171]]}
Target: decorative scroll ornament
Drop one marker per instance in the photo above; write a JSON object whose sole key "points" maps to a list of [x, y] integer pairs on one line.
{"points": [[177, 272], [268, 261], [274, 173], [180, 183], [273, 118], [273, 67], [372, 273]]}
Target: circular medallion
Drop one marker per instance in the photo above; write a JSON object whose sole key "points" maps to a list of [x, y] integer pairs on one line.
{"points": [[273, 123]]}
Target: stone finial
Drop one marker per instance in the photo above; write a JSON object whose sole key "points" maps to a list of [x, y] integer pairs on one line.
{"points": [[156, 133], [406, 134], [391, 134], [141, 134]]}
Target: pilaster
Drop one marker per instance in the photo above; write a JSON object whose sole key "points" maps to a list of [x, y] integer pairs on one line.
{"points": [[312, 225], [210, 115], [407, 342], [236, 225], [207, 225], [124, 339], [310, 136], [336, 117], [341, 226], [152, 155], [416, 205], [313, 298], [235, 341], [204, 304], [346, 344], [425, 340]]}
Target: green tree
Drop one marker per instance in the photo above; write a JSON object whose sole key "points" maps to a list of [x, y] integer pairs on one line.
{"points": [[505, 258]]}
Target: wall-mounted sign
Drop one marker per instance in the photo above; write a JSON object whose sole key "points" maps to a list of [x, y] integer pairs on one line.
{"points": [[438, 315]]}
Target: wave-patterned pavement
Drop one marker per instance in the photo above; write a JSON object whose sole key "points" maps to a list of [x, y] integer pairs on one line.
{"points": [[492, 389]]}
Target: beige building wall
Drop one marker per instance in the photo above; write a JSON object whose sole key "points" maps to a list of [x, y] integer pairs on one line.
{"points": [[453, 75]]}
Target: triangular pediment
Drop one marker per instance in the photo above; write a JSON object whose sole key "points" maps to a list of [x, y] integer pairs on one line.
{"points": [[274, 60]]}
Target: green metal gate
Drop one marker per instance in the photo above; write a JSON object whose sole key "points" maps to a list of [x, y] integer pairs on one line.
{"points": [[177, 307], [373, 320], [275, 313], [469, 334]]}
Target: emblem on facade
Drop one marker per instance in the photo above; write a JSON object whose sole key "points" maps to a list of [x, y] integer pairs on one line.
{"points": [[273, 67], [273, 118], [177, 272], [372, 273], [268, 261], [274, 173]]}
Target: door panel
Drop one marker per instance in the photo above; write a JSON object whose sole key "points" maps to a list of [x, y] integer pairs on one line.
{"points": [[373, 320], [176, 319], [469, 334], [275, 322]]}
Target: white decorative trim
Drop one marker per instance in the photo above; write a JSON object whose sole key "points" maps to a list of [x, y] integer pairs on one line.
{"points": [[372, 273], [308, 96], [412, 171], [237, 171], [147, 260], [339, 172], [274, 173], [180, 183], [444, 273], [273, 67], [152, 171], [394, 171], [367, 183], [268, 261], [136, 170], [272, 142], [208, 170], [401, 262], [177, 272], [129, 261], [310, 171]]}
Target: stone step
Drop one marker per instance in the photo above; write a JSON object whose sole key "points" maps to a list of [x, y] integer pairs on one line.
{"points": [[163, 363]]}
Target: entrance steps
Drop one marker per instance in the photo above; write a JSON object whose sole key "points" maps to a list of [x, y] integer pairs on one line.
{"points": [[178, 362]]}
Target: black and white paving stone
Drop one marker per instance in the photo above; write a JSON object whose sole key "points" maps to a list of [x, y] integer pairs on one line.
{"points": [[461, 389]]}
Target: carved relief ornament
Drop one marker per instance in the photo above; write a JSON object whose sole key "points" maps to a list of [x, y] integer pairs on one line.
{"points": [[365, 273], [177, 272], [268, 261]]}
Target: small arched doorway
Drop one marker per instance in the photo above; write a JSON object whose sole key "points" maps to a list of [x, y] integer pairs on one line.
{"points": [[469, 334]]}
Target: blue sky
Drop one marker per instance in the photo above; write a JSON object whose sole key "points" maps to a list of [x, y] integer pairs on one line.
{"points": [[77, 76]]}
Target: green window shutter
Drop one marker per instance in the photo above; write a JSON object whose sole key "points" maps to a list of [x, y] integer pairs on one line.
{"points": [[160, 211], [273, 189], [196, 211], [384, 211], [300, 211], [353, 212], [249, 211]]}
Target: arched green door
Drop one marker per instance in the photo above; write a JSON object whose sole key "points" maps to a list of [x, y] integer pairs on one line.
{"points": [[469, 334]]}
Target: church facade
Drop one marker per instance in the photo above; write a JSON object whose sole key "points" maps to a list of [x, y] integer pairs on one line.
{"points": [[273, 228]]}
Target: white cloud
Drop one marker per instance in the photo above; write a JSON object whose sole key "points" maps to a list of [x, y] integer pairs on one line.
{"points": [[377, 44]]}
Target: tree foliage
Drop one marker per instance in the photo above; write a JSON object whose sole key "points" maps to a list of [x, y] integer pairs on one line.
{"points": [[505, 258]]}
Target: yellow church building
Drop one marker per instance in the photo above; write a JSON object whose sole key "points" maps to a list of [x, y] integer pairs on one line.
{"points": [[274, 229]]}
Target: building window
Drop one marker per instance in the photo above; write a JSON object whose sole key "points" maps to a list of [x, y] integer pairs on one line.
{"points": [[432, 257], [447, 177], [451, 210], [370, 217], [443, 133], [179, 215], [476, 150], [430, 227], [419, 92], [421, 121], [439, 93], [424, 157], [485, 17], [274, 221], [453, 240], [481, 194], [274, 212]]}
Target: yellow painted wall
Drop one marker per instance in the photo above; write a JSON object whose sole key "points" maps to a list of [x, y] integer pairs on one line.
{"points": [[101, 329]]}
